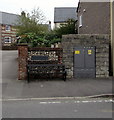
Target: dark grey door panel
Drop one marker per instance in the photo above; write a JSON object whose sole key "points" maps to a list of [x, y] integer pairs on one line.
{"points": [[84, 73], [89, 57], [79, 56], [84, 62]]}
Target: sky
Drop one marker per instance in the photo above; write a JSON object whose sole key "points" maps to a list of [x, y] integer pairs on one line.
{"points": [[46, 6]]}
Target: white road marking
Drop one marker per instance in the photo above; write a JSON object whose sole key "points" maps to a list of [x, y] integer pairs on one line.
{"points": [[56, 102], [109, 100], [85, 101], [43, 102], [77, 101], [50, 102]]}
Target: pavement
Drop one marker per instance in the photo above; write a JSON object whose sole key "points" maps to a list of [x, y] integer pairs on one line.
{"points": [[12, 88]]}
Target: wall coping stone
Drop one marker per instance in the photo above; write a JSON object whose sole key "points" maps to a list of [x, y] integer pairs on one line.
{"points": [[100, 36], [22, 44]]}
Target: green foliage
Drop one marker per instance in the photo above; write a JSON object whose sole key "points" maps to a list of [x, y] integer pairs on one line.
{"points": [[56, 40], [31, 23], [32, 39], [51, 35], [35, 40], [66, 28], [33, 32]]}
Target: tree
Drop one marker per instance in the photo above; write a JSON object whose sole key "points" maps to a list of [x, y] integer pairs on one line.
{"points": [[31, 23], [67, 28]]}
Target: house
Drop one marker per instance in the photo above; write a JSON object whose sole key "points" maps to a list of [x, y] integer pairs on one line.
{"points": [[93, 17], [97, 18], [7, 30], [62, 14]]}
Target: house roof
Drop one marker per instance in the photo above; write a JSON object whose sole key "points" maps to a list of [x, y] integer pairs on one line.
{"points": [[62, 14], [8, 18]]}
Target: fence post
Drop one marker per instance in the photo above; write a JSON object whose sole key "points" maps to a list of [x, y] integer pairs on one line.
{"points": [[22, 61]]}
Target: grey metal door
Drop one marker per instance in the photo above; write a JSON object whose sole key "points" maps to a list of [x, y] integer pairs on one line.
{"points": [[84, 62]]}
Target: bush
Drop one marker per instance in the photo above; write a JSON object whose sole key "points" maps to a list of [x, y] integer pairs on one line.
{"points": [[34, 40], [67, 28]]}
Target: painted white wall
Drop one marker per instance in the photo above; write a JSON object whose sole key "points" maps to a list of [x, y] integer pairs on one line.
{"points": [[57, 25]]}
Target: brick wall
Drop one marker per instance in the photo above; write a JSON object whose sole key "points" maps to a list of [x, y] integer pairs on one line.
{"points": [[101, 42], [22, 61]]}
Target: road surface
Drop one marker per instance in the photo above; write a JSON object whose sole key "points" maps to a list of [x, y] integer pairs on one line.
{"points": [[64, 108]]}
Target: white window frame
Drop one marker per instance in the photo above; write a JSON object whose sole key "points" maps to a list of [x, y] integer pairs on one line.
{"points": [[80, 21], [8, 28], [7, 39]]}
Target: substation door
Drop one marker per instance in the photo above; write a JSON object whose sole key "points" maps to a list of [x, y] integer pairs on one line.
{"points": [[84, 62]]}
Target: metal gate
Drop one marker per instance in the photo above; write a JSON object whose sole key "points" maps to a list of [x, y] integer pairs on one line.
{"points": [[84, 62]]}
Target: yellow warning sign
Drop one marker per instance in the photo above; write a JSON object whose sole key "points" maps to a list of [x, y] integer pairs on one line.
{"points": [[77, 52], [89, 52]]}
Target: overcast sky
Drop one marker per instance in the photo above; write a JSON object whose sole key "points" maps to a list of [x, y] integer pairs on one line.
{"points": [[47, 6]]}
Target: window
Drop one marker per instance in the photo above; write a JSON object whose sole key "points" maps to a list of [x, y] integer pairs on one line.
{"points": [[80, 21], [8, 27], [7, 40]]}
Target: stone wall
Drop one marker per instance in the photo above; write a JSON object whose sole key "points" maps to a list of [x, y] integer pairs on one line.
{"points": [[101, 42]]}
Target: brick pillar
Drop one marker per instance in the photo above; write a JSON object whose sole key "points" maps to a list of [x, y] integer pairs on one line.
{"points": [[22, 59]]}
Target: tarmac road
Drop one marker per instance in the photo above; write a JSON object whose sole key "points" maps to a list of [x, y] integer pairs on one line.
{"points": [[66, 108], [9, 66]]}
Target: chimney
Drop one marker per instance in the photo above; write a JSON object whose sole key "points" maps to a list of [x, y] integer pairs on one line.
{"points": [[49, 22], [23, 13], [49, 28]]}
